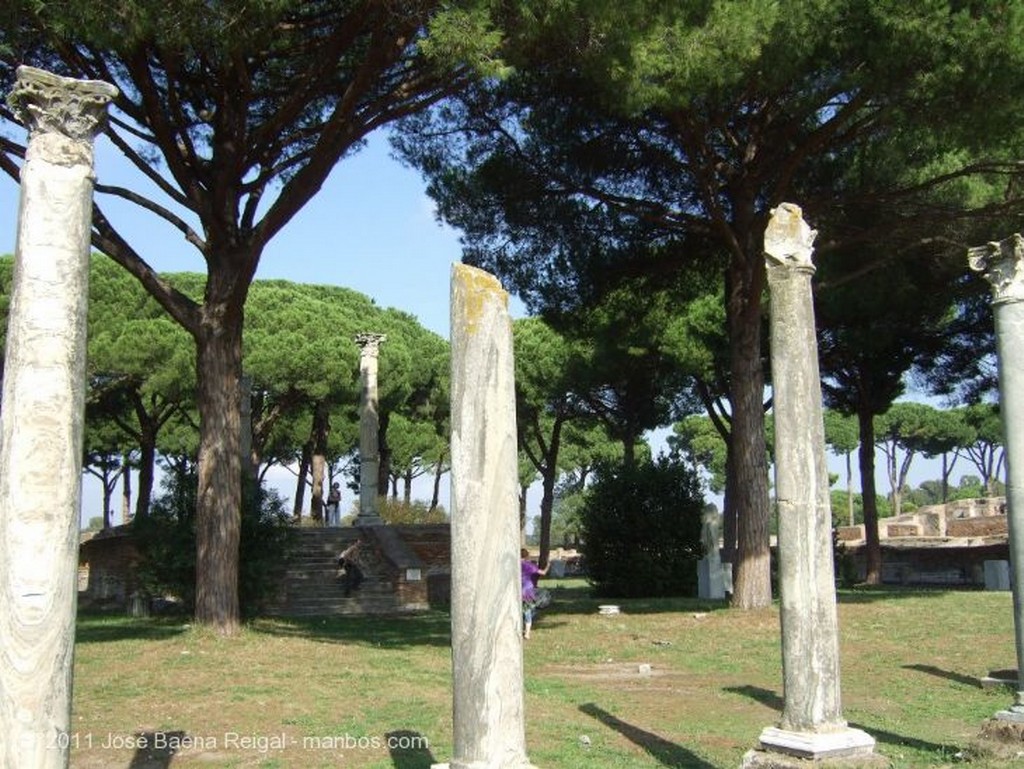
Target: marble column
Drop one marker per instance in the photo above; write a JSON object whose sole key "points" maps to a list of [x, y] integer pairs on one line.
{"points": [[1002, 265], [486, 607], [42, 415], [812, 724], [369, 430]]}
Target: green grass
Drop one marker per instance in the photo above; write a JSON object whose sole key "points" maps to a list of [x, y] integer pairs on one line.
{"points": [[328, 692]]}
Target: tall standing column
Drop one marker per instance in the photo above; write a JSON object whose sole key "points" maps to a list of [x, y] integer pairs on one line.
{"points": [[1002, 265], [42, 415], [812, 724], [487, 620], [369, 430]]}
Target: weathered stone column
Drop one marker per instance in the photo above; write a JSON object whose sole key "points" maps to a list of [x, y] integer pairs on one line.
{"points": [[812, 724], [369, 429], [42, 415], [487, 620], [1002, 265]]}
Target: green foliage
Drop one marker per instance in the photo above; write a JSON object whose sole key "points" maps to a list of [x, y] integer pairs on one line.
{"points": [[166, 540], [641, 529], [396, 511], [697, 438], [567, 516]]}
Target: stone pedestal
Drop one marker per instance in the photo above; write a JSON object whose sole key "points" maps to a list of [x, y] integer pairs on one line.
{"points": [[369, 431], [710, 579], [710, 574], [42, 415], [1002, 265], [812, 724], [486, 606]]}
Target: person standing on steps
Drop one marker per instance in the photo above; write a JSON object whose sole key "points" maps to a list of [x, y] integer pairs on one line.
{"points": [[334, 505], [349, 568]]}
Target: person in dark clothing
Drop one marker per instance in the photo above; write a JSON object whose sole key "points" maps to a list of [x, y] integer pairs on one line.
{"points": [[349, 568]]}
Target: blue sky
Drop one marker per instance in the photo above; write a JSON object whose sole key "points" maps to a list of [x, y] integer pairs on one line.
{"points": [[371, 228]]}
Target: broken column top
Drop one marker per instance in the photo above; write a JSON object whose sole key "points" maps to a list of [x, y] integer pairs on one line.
{"points": [[788, 239], [1002, 264]]}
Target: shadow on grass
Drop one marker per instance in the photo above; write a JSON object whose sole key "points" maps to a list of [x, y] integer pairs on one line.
{"points": [[431, 628], [665, 752], [775, 702], [766, 697], [104, 628], [409, 750], [873, 593], [899, 741], [577, 598], [155, 749], [949, 675]]}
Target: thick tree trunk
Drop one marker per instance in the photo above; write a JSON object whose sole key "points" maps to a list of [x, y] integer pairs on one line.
{"points": [[147, 466], [729, 509], [108, 497], [219, 497], [866, 452], [547, 500], [300, 483], [752, 588]]}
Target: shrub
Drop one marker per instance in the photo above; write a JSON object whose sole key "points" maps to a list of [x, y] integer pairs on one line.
{"points": [[167, 543], [641, 530], [397, 512]]}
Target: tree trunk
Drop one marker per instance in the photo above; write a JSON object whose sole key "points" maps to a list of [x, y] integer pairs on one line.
{"points": [[729, 509], [946, 469], [522, 513], [219, 497], [547, 500], [108, 495], [126, 488], [435, 498], [849, 489], [300, 484], [752, 588], [866, 451], [147, 467]]}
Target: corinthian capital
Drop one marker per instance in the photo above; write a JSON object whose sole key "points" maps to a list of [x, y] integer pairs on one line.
{"points": [[50, 104], [370, 343], [1000, 263]]}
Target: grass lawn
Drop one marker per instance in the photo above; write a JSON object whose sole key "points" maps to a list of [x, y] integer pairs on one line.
{"points": [[331, 692]]}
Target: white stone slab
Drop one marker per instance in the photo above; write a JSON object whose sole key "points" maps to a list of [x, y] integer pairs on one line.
{"points": [[818, 745]]}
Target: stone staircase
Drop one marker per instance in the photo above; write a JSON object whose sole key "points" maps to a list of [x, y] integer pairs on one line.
{"points": [[310, 585]]}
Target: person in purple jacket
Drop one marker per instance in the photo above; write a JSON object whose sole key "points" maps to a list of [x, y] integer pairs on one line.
{"points": [[531, 573]]}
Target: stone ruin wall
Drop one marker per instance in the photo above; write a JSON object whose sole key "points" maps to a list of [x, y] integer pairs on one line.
{"points": [[962, 518]]}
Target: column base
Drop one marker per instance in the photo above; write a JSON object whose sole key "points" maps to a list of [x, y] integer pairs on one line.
{"points": [[482, 765], [844, 744], [368, 520], [1013, 714]]}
